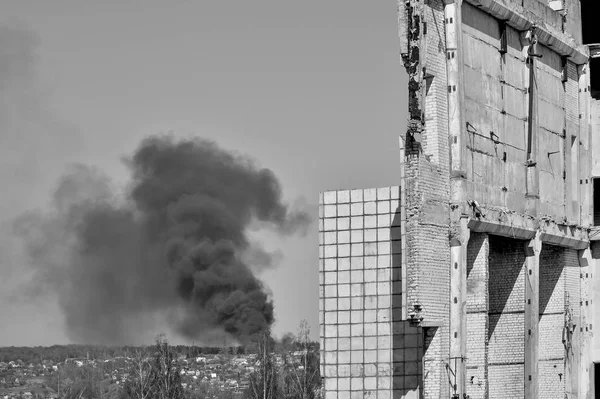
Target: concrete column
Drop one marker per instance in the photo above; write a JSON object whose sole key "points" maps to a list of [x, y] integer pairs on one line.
{"points": [[586, 367], [458, 307], [533, 248], [454, 71], [584, 147], [593, 317]]}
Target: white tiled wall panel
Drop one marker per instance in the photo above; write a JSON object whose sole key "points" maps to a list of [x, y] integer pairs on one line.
{"points": [[356, 255]]}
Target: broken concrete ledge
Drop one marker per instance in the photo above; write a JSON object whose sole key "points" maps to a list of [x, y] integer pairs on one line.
{"points": [[498, 229], [595, 233], [522, 19], [567, 242], [562, 235], [550, 233]]}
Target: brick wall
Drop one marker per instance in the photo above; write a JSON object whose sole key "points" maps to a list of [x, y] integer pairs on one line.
{"points": [[560, 302], [552, 320], [506, 318], [477, 315], [435, 135], [428, 244], [428, 183], [357, 250], [573, 304]]}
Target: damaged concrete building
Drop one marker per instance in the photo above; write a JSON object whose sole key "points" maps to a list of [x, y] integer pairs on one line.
{"points": [[477, 276]]}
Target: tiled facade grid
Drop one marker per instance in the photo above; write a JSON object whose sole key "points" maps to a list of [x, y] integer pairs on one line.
{"points": [[356, 255]]}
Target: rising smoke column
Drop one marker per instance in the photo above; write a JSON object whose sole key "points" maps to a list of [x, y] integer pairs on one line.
{"points": [[177, 244]]}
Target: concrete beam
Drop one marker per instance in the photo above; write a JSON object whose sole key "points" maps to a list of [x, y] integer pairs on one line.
{"points": [[484, 218], [533, 248], [564, 241], [574, 237], [498, 229], [504, 223], [521, 19], [431, 323], [554, 234], [594, 50]]}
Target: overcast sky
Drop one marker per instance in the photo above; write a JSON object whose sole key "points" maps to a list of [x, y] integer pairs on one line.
{"points": [[313, 90]]}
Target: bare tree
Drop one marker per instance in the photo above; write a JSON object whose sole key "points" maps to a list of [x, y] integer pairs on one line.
{"points": [[301, 375], [141, 373], [263, 381], [158, 377]]}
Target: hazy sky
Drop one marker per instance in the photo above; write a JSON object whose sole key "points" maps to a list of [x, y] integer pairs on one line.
{"points": [[313, 90]]}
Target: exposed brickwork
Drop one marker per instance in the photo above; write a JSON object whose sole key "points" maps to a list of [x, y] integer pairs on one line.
{"points": [[506, 381], [435, 136], [427, 188], [477, 318], [435, 364], [552, 282], [552, 379], [572, 319], [427, 243], [506, 318], [560, 301]]}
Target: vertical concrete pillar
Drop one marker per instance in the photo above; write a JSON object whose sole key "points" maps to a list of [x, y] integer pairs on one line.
{"points": [[533, 248], [593, 317], [453, 68], [458, 223], [584, 147], [458, 307], [456, 125], [586, 367]]}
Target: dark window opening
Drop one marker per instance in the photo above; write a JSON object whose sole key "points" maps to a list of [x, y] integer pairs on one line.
{"points": [[596, 195], [503, 38], [589, 23], [428, 78], [596, 380], [595, 78], [591, 35]]}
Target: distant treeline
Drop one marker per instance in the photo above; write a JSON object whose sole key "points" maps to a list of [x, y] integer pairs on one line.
{"points": [[59, 353]]}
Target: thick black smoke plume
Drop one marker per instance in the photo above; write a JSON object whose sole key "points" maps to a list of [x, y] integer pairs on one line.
{"points": [[176, 245]]}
